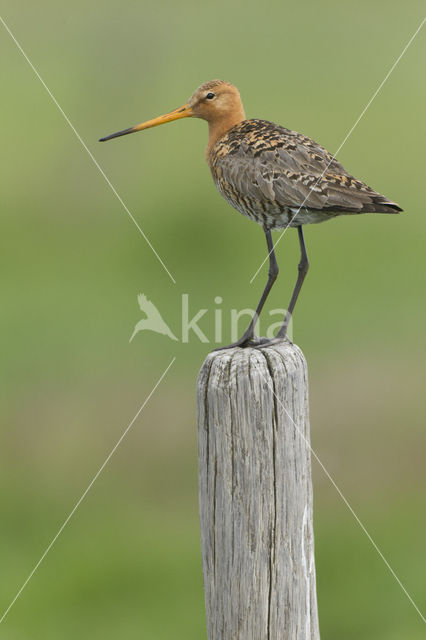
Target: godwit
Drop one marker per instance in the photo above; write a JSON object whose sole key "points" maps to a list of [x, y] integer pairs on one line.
{"points": [[275, 176]]}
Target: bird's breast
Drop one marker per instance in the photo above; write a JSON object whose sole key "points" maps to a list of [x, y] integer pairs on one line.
{"points": [[233, 163]]}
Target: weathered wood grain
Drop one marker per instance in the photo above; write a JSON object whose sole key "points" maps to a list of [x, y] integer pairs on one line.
{"points": [[256, 495]]}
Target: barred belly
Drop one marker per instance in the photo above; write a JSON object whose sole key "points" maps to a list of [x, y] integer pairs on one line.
{"points": [[271, 215]]}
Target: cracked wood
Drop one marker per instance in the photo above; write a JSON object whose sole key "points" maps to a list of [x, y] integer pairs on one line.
{"points": [[255, 495]]}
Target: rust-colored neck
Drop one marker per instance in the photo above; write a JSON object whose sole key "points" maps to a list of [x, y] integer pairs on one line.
{"points": [[219, 126]]}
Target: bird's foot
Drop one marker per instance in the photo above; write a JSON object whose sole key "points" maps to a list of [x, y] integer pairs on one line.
{"points": [[254, 342], [246, 341], [270, 342]]}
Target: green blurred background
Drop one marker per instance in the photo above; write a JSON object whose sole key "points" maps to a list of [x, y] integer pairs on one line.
{"points": [[128, 564]]}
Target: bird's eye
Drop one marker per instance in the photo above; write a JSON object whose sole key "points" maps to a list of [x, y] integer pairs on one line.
{"points": [[210, 96]]}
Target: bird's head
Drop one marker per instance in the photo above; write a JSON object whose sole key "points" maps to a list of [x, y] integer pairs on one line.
{"points": [[216, 101]]}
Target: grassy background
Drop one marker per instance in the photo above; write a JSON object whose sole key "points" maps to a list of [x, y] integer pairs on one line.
{"points": [[72, 263]]}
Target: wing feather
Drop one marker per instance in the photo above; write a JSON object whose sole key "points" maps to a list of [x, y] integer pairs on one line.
{"points": [[277, 168]]}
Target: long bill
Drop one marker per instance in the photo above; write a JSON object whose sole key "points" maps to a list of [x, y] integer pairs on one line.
{"points": [[183, 112]]}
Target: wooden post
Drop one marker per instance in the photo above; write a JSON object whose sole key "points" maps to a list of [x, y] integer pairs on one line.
{"points": [[255, 494]]}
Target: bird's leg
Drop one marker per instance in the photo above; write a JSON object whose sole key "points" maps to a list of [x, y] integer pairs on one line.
{"points": [[303, 267], [249, 339]]}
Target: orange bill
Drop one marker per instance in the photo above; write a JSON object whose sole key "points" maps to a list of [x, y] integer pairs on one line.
{"points": [[183, 112]]}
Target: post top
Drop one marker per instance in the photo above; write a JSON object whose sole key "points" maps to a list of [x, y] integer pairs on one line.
{"points": [[226, 367]]}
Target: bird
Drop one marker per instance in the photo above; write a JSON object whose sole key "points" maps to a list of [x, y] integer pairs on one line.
{"points": [[273, 175], [153, 321]]}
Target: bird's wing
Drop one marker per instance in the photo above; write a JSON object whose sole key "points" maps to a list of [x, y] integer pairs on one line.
{"points": [[148, 307], [153, 321], [272, 164], [142, 300]]}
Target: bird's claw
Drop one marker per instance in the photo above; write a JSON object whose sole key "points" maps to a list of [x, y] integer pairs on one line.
{"points": [[252, 341], [245, 341], [270, 342]]}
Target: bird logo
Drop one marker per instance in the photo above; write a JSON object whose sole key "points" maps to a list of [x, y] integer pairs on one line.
{"points": [[153, 320]]}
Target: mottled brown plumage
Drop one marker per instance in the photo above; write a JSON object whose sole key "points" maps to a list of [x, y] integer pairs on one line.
{"points": [[279, 177], [275, 176]]}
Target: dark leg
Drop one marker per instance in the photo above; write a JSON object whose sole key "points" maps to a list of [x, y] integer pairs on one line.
{"points": [[249, 339], [303, 267]]}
